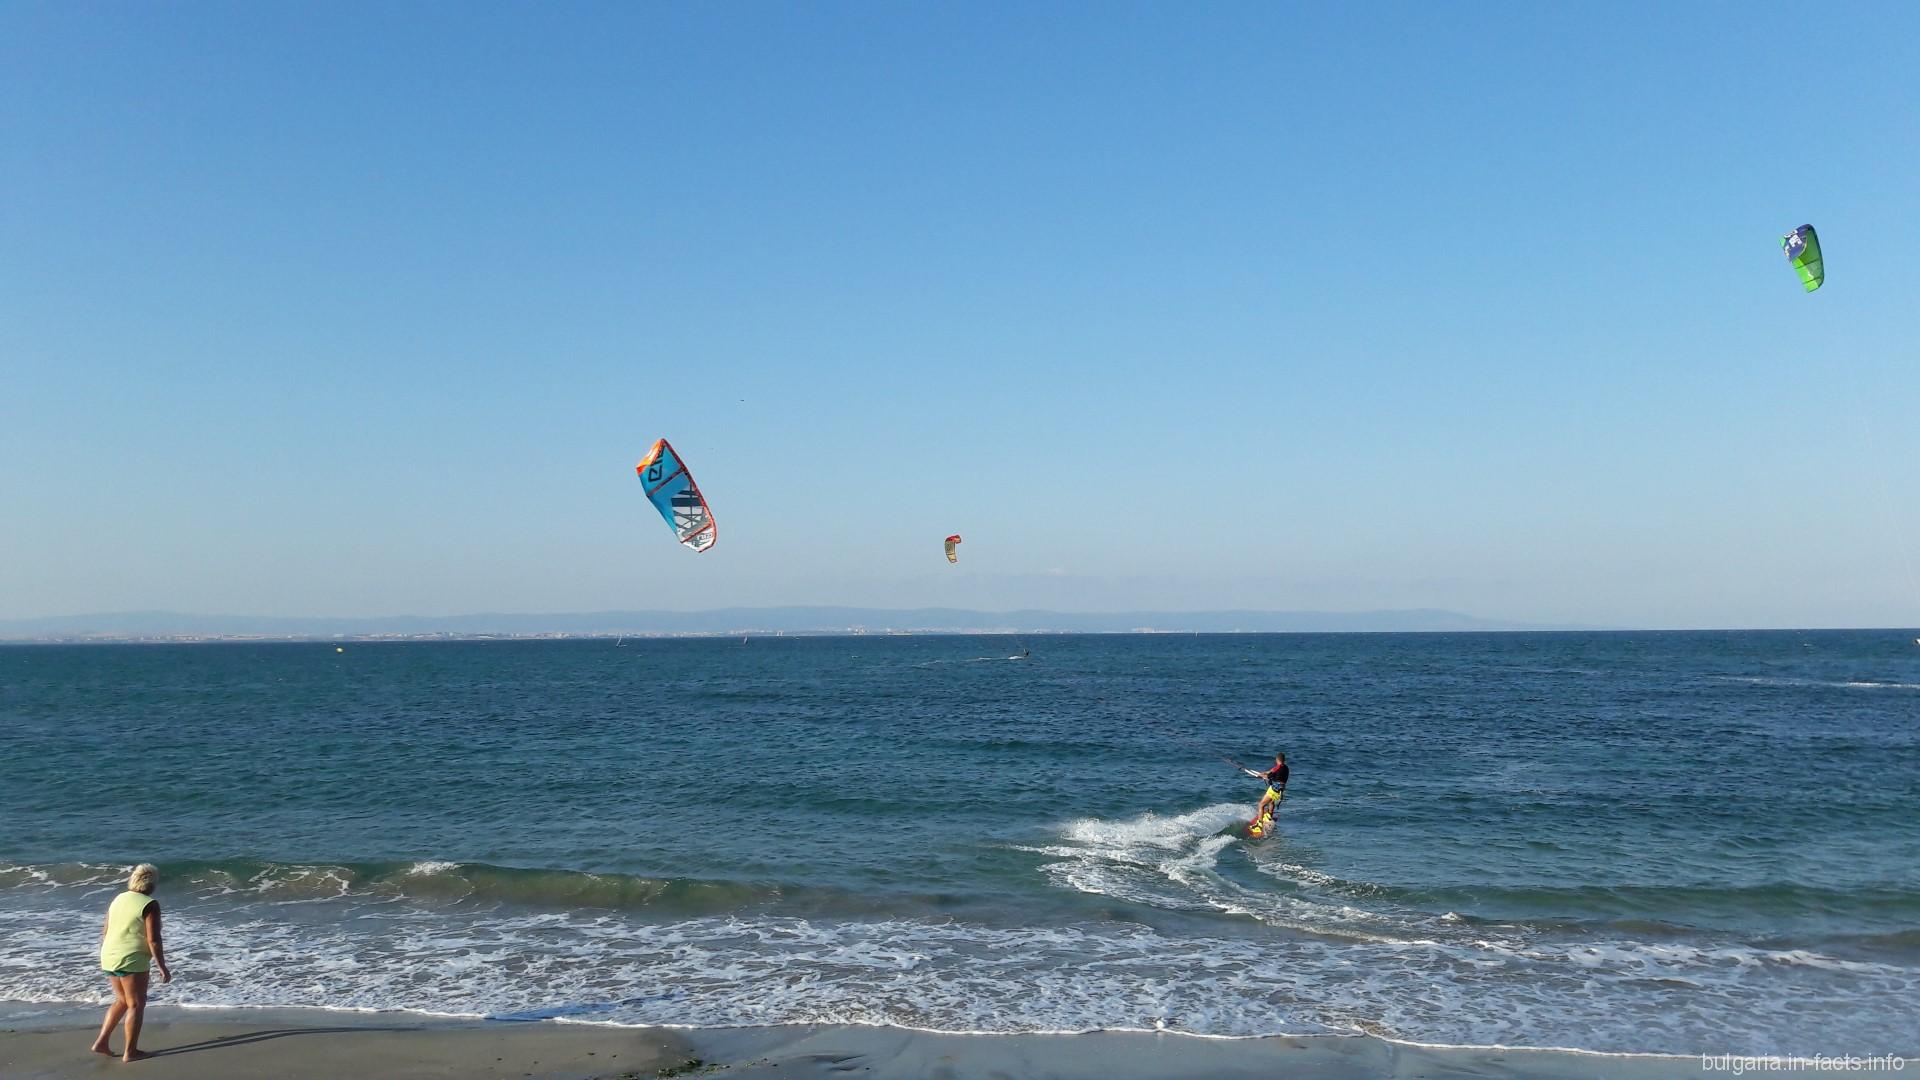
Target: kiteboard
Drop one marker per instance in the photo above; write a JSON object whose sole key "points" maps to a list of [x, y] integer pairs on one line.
{"points": [[1259, 828]]}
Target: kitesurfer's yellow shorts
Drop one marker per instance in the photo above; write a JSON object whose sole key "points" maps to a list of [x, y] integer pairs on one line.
{"points": [[1274, 795]]}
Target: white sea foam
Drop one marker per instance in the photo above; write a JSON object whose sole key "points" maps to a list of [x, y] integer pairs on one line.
{"points": [[1343, 963], [1840, 684], [421, 869], [956, 976], [1172, 862]]}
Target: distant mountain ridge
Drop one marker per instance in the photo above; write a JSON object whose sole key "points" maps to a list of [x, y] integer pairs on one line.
{"points": [[139, 625]]}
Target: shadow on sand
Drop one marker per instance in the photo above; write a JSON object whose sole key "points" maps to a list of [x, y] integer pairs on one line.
{"points": [[265, 1036]]}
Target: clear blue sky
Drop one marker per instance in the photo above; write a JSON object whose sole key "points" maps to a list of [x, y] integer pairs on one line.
{"points": [[346, 309]]}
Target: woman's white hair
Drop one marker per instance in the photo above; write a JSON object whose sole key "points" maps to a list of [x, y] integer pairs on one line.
{"points": [[143, 877]]}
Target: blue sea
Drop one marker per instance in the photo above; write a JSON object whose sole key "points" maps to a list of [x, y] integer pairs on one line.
{"points": [[1635, 842]]}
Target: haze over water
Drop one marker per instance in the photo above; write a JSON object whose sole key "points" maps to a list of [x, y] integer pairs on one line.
{"points": [[1679, 842]]}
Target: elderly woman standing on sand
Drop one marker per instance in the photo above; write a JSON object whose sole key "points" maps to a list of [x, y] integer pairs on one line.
{"points": [[128, 946]]}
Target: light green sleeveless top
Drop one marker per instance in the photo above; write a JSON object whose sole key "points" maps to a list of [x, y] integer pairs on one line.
{"points": [[125, 946]]}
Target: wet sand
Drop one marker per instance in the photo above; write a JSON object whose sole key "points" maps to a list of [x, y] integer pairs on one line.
{"points": [[833, 1053], [298, 1044]]}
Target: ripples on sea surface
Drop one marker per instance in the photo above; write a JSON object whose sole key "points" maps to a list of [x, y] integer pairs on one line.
{"points": [[1681, 842]]}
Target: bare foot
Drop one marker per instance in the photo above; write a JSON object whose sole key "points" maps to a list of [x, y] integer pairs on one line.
{"points": [[101, 1048], [134, 1055]]}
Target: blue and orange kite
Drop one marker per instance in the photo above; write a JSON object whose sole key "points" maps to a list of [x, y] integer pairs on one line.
{"points": [[671, 489]]}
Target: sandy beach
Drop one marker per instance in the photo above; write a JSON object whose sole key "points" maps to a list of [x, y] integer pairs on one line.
{"points": [[296, 1044]]}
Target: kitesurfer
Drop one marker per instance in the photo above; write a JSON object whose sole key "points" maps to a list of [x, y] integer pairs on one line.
{"points": [[1276, 779]]}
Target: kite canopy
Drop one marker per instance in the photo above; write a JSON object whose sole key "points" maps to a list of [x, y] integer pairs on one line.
{"points": [[1802, 247], [671, 490], [952, 542]]}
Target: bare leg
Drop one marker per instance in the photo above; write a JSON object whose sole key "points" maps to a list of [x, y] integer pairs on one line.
{"points": [[114, 1012], [136, 1012]]}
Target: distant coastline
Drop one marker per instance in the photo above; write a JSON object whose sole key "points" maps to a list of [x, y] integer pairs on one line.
{"points": [[172, 627]]}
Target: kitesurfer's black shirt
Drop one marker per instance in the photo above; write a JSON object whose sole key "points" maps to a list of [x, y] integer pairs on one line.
{"points": [[1277, 776]]}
